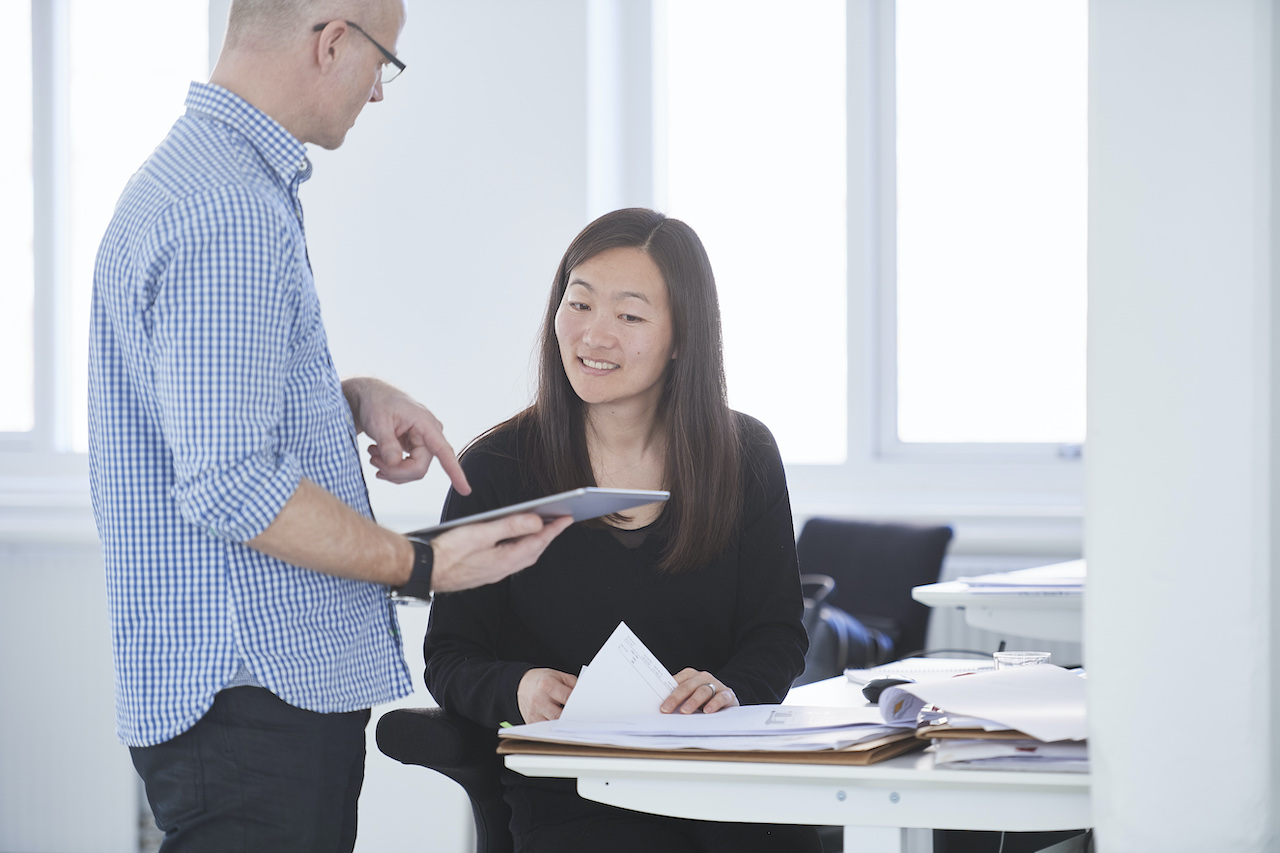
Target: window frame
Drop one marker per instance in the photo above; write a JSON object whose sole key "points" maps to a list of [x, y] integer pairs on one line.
{"points": [[1034, 497], [54, 390], [51, 429], [884, 154], [1031, 486]]}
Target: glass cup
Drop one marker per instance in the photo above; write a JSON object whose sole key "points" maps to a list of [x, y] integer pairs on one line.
{"points": [[1008, 660]]}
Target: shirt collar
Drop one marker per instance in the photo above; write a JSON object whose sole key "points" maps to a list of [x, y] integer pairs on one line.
{"points": [[280, 149]]}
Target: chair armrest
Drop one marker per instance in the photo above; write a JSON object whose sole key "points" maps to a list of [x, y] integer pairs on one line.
{"points": [[447, 743]]}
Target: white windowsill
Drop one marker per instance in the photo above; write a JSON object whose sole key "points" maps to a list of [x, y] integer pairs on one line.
{"points": [[46, 500]]}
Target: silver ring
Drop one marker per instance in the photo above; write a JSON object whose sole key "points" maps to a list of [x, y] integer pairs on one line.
{"points": [[712, 686]]}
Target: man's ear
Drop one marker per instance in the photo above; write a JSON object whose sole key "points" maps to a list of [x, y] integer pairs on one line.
{"points": [[333, 39]]}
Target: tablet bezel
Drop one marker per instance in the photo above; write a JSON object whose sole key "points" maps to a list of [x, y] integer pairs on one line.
{"points": [[582, 503]]}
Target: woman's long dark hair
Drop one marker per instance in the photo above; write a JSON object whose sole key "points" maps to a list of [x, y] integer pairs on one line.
{"points": [[703, 455]]}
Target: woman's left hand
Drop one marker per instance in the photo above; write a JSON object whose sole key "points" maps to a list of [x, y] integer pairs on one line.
{"points": [[696, 689]]}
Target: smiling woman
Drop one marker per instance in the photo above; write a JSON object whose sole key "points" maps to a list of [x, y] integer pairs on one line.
{"points": [[631, 395]]}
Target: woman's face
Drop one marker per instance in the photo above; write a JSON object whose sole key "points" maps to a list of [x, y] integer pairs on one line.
{"points": [[614, 329]]}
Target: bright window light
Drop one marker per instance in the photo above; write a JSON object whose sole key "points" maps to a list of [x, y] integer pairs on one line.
{"points": [[755, 163], [131, 64], [17, 284], [991, 200]]}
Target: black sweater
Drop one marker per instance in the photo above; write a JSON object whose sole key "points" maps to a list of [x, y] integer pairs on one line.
{"points": [[737, 617]]}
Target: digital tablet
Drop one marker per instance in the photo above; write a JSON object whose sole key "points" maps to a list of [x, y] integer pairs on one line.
{"points": [[584, 503]]}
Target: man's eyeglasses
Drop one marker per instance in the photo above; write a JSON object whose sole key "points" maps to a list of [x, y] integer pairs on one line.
{"points": [[386, 76]]}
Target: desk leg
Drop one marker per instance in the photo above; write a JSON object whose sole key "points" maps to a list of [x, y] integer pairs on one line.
{"points": [[875, 839], [887, 839]]}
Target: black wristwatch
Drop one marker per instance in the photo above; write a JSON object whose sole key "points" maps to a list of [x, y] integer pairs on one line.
{"points": [[418, 589]]}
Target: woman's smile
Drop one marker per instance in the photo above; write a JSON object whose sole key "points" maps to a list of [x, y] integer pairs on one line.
{"points": [[603, 366]]}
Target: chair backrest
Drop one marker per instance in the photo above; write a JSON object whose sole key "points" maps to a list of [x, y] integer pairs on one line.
{"points": [[460, 749], [875, 565]]}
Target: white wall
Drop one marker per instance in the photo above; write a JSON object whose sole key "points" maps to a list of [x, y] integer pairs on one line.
{"points": [[1181, 473], [435, 230], [66, 784]]}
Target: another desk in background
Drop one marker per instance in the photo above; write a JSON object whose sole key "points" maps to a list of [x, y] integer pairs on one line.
{"points": [[878, 805], [1045, 602]]}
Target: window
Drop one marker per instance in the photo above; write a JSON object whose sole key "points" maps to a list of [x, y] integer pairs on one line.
{"points": [[109, 80], [755, 162], [893, 196], [17, 289], [991, 178]]}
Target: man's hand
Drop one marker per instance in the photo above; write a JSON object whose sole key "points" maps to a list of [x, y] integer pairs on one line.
{"points": [[698, 689], [542, 694], [486, 552], [399, 425]]}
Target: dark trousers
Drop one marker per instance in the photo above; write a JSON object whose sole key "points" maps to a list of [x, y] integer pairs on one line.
{"points": [[257, 774]]}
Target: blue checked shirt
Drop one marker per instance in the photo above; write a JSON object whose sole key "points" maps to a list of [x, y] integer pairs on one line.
{"points": [[211, 394]]}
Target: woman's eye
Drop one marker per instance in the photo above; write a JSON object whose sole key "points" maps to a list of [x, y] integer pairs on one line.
{"points": [[578, 306], [630, 318]]}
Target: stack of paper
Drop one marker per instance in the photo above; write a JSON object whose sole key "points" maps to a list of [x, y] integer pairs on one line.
{"points": [[748, 728], [1029, 717], [615, 705], [988, 754]]}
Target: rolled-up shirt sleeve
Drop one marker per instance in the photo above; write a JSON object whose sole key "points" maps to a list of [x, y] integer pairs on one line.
{"points": [[225, 314]]}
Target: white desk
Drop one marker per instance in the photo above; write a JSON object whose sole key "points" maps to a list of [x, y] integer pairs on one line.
{"points": [[875, 804], [1025, 612]]}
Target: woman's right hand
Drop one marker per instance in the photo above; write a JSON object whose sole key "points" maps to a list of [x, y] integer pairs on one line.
{"points": [[542, 694]]}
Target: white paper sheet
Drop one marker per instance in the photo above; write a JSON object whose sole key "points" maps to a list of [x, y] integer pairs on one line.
{"points": [[921, 669], [624, 678], [743, 720]]}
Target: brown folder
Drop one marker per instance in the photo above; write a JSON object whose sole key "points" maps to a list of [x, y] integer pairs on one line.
{"points": [[870, 752]]}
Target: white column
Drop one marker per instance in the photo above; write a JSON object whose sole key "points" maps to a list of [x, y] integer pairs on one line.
{"points": [[1180, 466]]}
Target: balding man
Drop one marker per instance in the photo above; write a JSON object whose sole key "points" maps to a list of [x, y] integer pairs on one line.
{"points": [[247, 583]]}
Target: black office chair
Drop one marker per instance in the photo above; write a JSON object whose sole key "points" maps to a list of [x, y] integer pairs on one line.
{"points": [[875, 565], [460, 749]]}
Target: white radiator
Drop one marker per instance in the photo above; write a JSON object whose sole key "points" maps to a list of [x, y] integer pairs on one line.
{"points": [[58, 750]]}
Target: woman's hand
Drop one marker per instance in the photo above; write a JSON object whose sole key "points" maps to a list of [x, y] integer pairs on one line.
{"points": [[697, 689], [542, 694]]}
